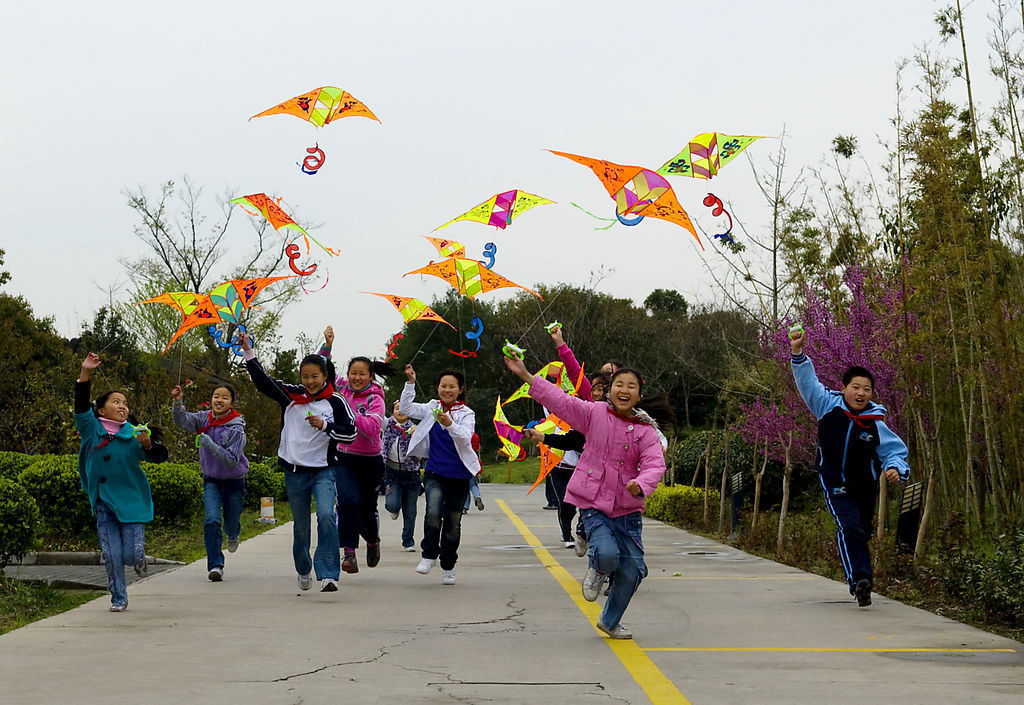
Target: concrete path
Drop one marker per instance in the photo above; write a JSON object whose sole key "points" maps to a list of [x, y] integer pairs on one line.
{"points": [[731, 629]]}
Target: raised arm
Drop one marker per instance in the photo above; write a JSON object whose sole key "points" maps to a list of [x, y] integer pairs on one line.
{"points": [[569, 361], [270, 387], [406, 405]]}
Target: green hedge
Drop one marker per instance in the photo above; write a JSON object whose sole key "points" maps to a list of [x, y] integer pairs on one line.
{"points": [[53, 482], [11, 464], [680, 504], [264, 480], [19, 517], [177, 491]]}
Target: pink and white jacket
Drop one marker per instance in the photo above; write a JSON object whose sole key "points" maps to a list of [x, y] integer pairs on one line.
{"points": [[368, 413], [617, 450]]}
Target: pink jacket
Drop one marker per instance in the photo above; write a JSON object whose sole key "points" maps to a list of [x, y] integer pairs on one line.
{"points": [[368, 412], [616, 452], [573, 369]]}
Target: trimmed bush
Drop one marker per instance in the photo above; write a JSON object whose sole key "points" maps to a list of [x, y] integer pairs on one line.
{"points": [[177, 491], [53, 482], [19, 517], [264, 480], [680, 504], [11, 464]]}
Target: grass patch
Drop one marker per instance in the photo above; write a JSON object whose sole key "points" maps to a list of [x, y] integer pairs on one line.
{"points": [[23, 603], [185, 542], [506, 473]]}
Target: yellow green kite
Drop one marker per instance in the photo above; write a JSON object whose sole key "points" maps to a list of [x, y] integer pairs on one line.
{"points": [[706, 154], [412, 309], [500, 209]]}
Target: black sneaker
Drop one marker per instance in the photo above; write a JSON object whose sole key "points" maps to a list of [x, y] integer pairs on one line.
{"points": [[862, 591], [372, 554], [350, 564]]}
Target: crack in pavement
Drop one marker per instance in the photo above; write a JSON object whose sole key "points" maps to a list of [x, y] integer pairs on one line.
{"points": [[514, 617], [380, 654]]}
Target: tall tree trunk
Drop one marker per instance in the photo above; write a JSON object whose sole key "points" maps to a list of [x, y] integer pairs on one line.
{"points": [[788, 471], [758, 479], [723, 494]]}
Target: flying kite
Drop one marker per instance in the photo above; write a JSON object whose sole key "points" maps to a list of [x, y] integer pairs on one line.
{"points": [[320, 106], [224, 303], [270, 209], [554, 371], [637, 192], [468, 276], [706, 154], [412, 309], [447, 248], [500, 209]]}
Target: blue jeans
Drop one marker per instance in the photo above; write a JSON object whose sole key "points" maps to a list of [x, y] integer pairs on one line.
{"points": [[442, 523], [403, 493], [121, 545], [617, 551], [303, 486], [474, 491], [227, 496]]}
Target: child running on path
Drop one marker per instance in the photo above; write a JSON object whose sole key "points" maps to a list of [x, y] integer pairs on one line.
{"points": [[108, 468], [621, 463], [314, 420], [445, 437], [402, 475], [853, 444], [360, 465], [220, 438]]}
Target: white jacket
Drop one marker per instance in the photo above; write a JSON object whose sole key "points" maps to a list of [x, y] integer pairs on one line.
{"points": [[462, 428]]}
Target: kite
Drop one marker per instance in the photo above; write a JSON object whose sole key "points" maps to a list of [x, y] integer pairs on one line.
{"points": [[412, 309], [468, 276], [270, 209], [706, 154], [311, 164], [718, 208], [474, 335], [637, 192], [224, 303], [552, 370], [500, 209], [391, 348], [447, 248], [511, 436], [490, 250]]}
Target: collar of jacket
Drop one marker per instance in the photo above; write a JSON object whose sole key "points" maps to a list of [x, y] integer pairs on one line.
{"points": [[305, 398]]}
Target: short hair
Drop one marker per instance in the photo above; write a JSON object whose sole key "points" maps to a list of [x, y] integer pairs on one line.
{"points": [[857, 371], [459, 377]]}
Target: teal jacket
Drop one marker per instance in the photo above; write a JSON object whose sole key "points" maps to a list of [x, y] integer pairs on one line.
{"points": [[108, 466]]}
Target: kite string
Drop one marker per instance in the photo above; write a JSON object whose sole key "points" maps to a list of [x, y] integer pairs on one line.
{"points": [[436, 326], [543, 311]]}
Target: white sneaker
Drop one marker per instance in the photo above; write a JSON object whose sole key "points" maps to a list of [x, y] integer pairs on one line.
{"points": [[328, 585], [448, 577], [408, 549], [570, 544], [425, 565], [119, 608], [305, 581], [581, 546], [232, 544], [216, 574], [592, 583], [394, 515], [619, 632]]}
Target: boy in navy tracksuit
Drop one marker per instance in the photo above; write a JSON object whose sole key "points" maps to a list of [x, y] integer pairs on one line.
{"points": [[854, 444]]}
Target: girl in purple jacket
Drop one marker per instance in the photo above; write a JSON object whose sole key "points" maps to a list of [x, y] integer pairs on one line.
{"points": [[220, 438], [622, 462]]}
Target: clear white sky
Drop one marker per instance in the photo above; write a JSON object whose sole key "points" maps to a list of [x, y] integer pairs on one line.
{"points": [[103, 96]]}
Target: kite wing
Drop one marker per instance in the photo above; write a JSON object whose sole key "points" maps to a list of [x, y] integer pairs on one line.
{"points": [[637, 191], [321, 106], [553, 370], [511, 436], [412, 309], [183, 301], [706, 154], [549, 457], [468, 276], [270, 209], [447, 248], [500, 209]]}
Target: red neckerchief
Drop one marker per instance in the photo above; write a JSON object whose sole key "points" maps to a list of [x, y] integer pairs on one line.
{"points": [[856, 418], [326, 393], [448, 409], [219, 421]]}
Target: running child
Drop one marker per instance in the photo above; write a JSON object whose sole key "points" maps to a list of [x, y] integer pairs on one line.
{"points": [[220, 438], [402, 481], [108, 468]]}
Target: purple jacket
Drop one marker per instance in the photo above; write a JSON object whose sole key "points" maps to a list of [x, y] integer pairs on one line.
{"points": [[616, 451], [221, 448]]}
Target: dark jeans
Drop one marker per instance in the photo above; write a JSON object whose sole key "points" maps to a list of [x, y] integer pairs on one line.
{"points": [[358, 479], [853, 509], [227, 496], [442, 523], [560, 480], [403, 491], [549, 492]]}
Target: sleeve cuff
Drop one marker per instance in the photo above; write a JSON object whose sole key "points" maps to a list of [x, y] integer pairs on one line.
{"points": [[248, 355]]}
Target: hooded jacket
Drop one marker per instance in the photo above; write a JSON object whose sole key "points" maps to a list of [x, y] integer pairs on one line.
{"points": [[221, 448]]}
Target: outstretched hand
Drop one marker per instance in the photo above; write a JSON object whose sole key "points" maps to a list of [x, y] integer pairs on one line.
{"points": [[410, 373], [533, 435], [796, 345], [328, 337], [556, 335], [177, 394], [91, 361], [518, 368]]}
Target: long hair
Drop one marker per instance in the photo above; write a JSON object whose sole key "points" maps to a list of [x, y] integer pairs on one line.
{"points": [[658, 407], [377, 368]]}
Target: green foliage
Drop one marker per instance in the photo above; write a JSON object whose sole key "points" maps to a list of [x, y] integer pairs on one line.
{"points": [[19, 517], [177, 491], [54, 484], [264, 480], [11, 464], [680, 504]]}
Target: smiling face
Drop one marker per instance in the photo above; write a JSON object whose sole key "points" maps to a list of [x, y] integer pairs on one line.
{"points": [[597, 388], [359, 376], [624, 393], [448, 390], [114, 408], [221, 402], [857, 394], [312, 378], [398, 416]]}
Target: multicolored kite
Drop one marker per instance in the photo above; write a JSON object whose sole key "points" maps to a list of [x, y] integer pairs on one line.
{"points": [[637, 192], [468, 276], [412, 309], [500, 209], [321, 106], [447, 248], [270, 209], [706, 154], [224, 303], [555, 371], [510, 435]]}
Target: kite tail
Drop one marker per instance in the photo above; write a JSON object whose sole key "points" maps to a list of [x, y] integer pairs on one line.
{"points": [[596, 217]]}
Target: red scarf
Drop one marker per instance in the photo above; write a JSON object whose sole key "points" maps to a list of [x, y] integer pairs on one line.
{"points": [[220, 421], [326, 393], [856, 418]]}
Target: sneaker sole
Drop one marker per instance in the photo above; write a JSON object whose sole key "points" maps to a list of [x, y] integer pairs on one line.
{"points": [[329, 588], [215, 577]]}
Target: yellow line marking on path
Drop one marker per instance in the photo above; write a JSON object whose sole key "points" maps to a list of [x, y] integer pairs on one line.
{"points": [[837, 650], [729, 577], [658, 688]]}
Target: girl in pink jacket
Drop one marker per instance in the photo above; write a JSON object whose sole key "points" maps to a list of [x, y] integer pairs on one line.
{"points": [[621, 463], [360, 470]]}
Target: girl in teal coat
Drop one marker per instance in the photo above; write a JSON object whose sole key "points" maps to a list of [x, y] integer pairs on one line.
{"points": [[118, 491]]}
